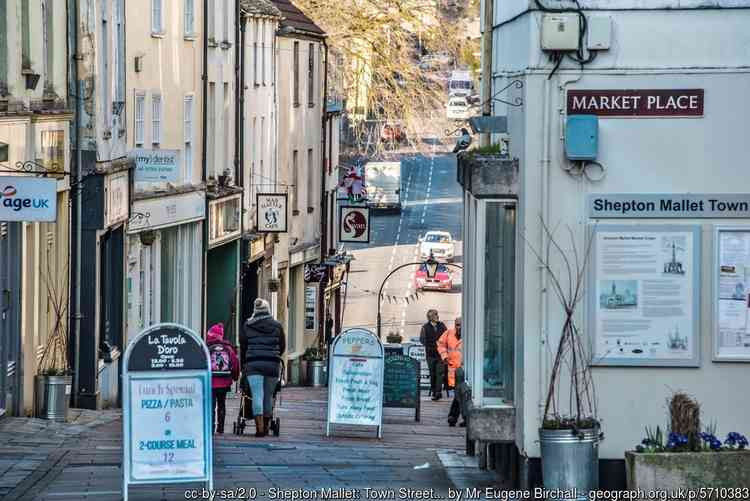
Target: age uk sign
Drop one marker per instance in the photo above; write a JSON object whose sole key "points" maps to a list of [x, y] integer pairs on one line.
{"points": [[636, 103]]}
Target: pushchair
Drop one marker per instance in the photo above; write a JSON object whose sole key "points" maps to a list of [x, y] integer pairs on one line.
{"points": [[246, 405]]}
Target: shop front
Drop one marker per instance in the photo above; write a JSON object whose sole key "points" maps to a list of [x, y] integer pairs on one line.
{"points": [[165, 261], [253, 274], [222, 264]]}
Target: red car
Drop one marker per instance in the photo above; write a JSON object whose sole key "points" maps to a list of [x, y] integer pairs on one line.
{"points": [[441, 281]]}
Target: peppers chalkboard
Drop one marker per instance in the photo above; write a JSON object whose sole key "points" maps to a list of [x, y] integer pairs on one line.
{"points": [[401, 383]]}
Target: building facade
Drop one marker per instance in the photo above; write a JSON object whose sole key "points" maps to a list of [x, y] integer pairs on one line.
{"points": [[165, 241], [664, 101], [35, 135]]}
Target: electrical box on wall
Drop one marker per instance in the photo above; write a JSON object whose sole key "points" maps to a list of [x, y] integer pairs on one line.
{"points": [[599, 32], [581, 137], [560, 31]]}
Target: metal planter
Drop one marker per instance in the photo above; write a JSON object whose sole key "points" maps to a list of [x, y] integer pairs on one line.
{"points": [[52, 397], [317, 373], [570, 460]]}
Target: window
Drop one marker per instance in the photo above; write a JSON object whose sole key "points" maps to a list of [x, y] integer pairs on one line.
{"points": [[211, 136], [255, 53], [157, 12], [225, 27], [310, 182], [104, 61], [211, 21], [25, 37], [48, 43], [263, 51], [119, 53], [188, 133], [227, 116], [53, 150], [156, 119], [140, 110], [311, 76], [189, 17], [295, 179], [296, 73], [3, 48]]}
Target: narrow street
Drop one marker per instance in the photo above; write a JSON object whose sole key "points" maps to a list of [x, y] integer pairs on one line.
{"points": [[48, 461], [431, 201]]}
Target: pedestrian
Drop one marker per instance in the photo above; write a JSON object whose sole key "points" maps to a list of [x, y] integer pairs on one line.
{"points": [[225, 368], [261, 345], [450, 346], [428, 336]]}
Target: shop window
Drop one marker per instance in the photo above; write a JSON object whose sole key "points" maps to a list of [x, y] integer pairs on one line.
{"points": [[499, 300], [53, 150]]}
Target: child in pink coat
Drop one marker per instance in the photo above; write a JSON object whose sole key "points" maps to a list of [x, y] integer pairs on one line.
{"points": [[225, 367]]}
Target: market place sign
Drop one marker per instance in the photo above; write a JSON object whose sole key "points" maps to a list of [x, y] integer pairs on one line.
{"points": [[636, 103], [669, 205], [28, 199]]}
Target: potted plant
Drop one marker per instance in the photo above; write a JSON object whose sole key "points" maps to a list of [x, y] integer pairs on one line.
{"points": [[394, 337], [52, 384], [690, 458], [316, 366], [570, 430]]}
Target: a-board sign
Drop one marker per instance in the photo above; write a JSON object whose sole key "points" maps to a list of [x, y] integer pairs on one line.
{"points": [[401, 383], [355, 384], [166, 408], [416, 350]]}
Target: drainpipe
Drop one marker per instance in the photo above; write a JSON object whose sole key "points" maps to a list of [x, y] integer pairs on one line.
{"points": [[544, 278], [77, 92], [239, 74], [204, 166], [323, 198]]}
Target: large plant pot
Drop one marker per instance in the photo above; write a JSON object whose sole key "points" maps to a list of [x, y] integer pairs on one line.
{"points": [[317, 373], [670, 471], [570, 461], [52, 397]]}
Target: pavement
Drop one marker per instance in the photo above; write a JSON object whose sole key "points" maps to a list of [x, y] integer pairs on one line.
{"points": [[81, 459]]}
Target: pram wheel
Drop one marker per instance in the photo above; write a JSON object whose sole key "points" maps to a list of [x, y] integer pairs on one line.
{"points": [[275, 427]]}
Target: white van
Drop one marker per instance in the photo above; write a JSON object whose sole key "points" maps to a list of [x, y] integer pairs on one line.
{"points": [[460, 84]]}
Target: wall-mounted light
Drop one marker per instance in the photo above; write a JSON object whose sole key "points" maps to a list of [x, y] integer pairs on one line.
{"points": [[138, 64], [32, 79], [117, 107], [147, 237]]}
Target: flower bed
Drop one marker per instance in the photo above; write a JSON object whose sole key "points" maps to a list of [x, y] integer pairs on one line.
{"points": [[690, 470]]}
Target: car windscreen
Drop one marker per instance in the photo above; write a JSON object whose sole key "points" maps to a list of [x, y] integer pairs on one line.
{"points": [[460, 84], [441, 239]]}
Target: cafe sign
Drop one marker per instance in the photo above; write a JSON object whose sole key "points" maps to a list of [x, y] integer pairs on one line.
{"points": [[271, 212], [636, 103], [354, 224]]}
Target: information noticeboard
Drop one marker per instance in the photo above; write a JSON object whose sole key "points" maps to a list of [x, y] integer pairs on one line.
{"points": [[644, 295], [166, 408], [731, 294], [401, 383], [355, 383]]}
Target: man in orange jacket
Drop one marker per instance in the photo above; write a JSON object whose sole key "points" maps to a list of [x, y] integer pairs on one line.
{"points": [[449, 347]]}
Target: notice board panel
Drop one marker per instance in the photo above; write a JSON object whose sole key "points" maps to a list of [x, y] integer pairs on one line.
{"points": [[644, 295], [731, 294]]}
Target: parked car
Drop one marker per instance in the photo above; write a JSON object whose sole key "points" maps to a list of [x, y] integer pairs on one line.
{"points": [[460, 84], [458, 108], [437, 243], [441, 281], [393, 133], [435, 61]]}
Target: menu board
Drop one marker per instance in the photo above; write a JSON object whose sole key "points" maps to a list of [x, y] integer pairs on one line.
{"points": [[355, 386], [644, 295], [416, 350], [166, 408], [401, 383], [732, 295]]}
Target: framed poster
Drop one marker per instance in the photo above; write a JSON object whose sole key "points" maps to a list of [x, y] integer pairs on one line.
{"points": [[272, 212], [354, 224], [644, 295], [731, 294]]}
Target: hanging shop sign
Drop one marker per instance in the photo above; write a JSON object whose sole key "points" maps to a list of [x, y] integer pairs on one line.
{"points": [[167, 408], [224, 220], [311, 307], [644, 295], [156, 166], [355, 388], [732, 294], [272, 211], [673, 103], [314, 273], [117, 188], [354, 224], [155, 213], [669, 205], [28, 199]]}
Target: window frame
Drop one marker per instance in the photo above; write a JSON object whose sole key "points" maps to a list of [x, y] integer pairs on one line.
{"points": [[139, 98], [255, 52], [157, 104], [295, 182], [188, 104], [189, 19], [157, 29], [311, 75], [310, 180], [295, 65]]}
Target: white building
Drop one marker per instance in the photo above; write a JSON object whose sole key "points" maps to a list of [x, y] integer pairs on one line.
{"points": [[165, 231], [686, 137], [35, 135]]}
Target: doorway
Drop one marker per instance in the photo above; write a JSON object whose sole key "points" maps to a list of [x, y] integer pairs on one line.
{"points": [[10, 318]]}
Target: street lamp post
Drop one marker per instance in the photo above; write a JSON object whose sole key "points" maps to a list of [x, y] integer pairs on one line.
{"points": [[431, 265]]}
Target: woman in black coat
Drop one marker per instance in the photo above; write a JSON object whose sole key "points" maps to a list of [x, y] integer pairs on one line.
{"points": [[261, 345]]}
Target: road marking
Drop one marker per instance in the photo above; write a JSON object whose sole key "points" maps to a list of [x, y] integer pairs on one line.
{"points": [[434, 201]]}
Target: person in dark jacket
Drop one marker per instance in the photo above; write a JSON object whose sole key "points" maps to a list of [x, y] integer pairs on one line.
{"points": [[222, 353], [261, 345], [428, 336]]}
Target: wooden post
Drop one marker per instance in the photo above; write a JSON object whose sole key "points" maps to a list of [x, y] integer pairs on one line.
{"points": [[486, 94]]}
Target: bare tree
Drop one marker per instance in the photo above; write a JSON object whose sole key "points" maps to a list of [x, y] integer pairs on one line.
{"points": [[54, 360]]}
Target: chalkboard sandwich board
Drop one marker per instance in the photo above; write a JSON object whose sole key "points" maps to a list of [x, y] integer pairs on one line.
{"points": [[401, 383]]}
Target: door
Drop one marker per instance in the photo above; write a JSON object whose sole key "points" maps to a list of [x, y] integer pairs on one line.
{"points": [[10, 317]]}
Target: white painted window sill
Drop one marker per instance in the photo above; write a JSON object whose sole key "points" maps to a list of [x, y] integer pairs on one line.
{"points": [[159, 34], [190, 37]]}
